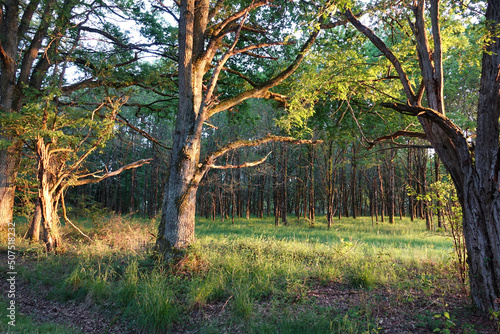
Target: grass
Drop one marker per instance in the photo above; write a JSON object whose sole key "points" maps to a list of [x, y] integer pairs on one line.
{"points": [[251, 276]]}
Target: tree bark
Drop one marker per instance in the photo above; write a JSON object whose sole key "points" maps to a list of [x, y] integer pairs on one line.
{"points": [[9, 164]]}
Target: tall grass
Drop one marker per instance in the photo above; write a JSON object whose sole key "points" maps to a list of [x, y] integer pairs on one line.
{"points": [[251, 275]]}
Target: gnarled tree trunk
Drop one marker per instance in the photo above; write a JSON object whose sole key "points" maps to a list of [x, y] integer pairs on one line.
{"points": [[474, 171]]}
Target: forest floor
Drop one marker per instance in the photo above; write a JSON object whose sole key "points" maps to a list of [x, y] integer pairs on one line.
{"points": [[246, 277]]}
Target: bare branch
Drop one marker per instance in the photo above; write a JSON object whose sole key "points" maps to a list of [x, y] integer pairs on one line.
{"points": [[397, 134], [167, 9], [221, 26], [145, 134], [210, 159], [246, 164], [107, 35], [220, 65], [258, 46], [247, 79], [66, 219], [333, 24], [97, 179], [88, 83], [261, 91]]}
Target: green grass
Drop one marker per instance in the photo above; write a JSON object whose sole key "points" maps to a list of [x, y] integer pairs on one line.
{"points": [[404, 240], [251, 275]]}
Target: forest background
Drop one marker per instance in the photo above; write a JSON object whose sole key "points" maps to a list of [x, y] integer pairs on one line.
{"points": [[91, 100]]}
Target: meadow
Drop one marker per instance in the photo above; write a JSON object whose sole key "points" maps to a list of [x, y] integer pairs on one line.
{"points": [[246, 277]]}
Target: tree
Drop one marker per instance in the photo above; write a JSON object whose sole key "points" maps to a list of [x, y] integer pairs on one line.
{"points": [[474, 167], [205, 48], [24, 28], [39, 40], [61, 137], [45, 109]]}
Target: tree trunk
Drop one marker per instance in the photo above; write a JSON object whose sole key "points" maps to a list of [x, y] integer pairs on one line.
{"points": [[9, 164], [284, 185], [36, 221], [249, 194], [382, 195], [481, 195], [476, 180], [198, 49], [176, 228], [438, 202], [354, 171], [48, 198], [391, 192], [312, 200]]}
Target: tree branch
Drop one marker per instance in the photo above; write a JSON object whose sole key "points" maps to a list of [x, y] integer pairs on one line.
{"points": [[261, 91], [221, 26], [246, 164], [451, 130], [397, 134], [387, 53], [98, 179], [145, 134], [247, 79], [210, 159], [107, 35], [66, 219]]}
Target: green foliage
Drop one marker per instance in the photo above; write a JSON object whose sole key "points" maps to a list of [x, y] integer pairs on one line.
{"points": [[447, 324], [442, 199], [361, 276]]}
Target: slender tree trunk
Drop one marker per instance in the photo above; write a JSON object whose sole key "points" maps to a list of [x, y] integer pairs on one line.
{"points": [[132, 190], [249, 189], [284, 185], [354, 171], [312, 200], [330, 185], [438, 202], [341, 188], [381, 191], [391, 192]]}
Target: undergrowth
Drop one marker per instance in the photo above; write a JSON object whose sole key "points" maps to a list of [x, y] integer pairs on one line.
{"points": [[249, 276]]}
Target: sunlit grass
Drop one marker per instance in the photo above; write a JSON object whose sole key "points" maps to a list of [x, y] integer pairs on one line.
{"points": [[244, 268], [404, 240]]}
